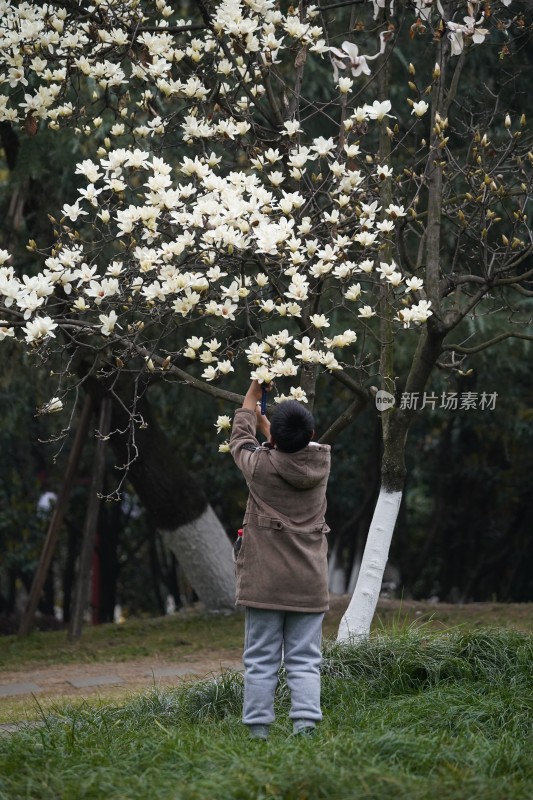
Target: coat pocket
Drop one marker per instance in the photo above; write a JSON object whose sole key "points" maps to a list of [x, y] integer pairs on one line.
{"points": [[289, 565]]}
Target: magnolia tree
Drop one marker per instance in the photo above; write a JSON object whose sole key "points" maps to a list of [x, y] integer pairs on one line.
{"points": [[320, 193]]}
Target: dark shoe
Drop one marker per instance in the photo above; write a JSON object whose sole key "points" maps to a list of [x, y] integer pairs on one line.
{"points": [[303, 727], [258, 731]]}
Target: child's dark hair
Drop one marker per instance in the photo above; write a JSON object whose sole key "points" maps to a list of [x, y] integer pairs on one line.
{"points": [[291, 426]]}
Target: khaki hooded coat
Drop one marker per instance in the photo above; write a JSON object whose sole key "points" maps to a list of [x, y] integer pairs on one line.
{"points": [[282, 563]]}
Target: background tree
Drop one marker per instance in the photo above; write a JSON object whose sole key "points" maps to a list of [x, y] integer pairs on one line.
{"points": [[375, 204]]}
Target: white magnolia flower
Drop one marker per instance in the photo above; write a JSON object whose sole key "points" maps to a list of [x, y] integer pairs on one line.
{"points": [[366, 312], [99, 290], [108, 323], [383, 172], [385, 226], [215, 274], [353, 292], [379, 110], [224, 447], [53, 405], [225, 367], [395, 211], [341, 339], [405, 316], [295, 393], [470, 29], [298, 289], [256, 353], [344, 270], [268, 306], [284, 368], [366, 266], [345, 85], [365, 238], [276, 178], [90, 170], [420, 108], [323, 146], [6, 331], [370, 210], [386, 269], [351, 150], [395, 278], [329, 361], [73, 211], [38, 329], [223, 423], [209, 374], [277, 339], [421, 312], [80, 304], [319, 321], [29, 302], [414, 284], [349, 56], [262, 374], [292, 127]]}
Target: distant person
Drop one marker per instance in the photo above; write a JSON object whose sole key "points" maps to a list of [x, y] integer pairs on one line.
{"points": [[282, 576]]}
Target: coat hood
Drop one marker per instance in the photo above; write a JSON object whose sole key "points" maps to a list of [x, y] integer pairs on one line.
{"points": [[304, 469]]}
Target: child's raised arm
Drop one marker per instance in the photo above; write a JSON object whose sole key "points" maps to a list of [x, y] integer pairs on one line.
{"points": [[253, 395]]}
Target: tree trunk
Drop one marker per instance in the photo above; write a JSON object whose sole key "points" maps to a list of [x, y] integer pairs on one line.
{"points": [[81, 595], [205, 553], [177, 504], [54, 527], [358, 616]]}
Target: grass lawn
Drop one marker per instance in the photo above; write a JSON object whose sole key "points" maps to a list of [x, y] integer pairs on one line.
{"points": [[438, 704], [415, 714]]}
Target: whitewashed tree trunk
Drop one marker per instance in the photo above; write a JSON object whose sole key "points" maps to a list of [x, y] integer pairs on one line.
{"points": [[205, 555], [358, 617], [356, 621]]}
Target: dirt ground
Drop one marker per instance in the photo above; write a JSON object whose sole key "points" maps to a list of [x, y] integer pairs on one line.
{"points": [[141, 673]]}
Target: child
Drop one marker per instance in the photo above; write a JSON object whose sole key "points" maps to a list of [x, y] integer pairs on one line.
{"points": [[282, 577]]}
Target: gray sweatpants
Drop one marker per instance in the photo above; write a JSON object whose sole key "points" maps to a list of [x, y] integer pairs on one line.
{"points": [[270, 636]]}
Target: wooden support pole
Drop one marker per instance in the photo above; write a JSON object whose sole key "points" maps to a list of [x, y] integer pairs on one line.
{"points": [[83, 582], [56, 521]]}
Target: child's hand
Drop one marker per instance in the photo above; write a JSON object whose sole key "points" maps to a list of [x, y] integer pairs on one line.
{"points": [[254, 393], [256, 390]]}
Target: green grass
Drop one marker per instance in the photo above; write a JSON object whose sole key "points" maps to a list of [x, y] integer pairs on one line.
{"points": [[414, 715], [172, 636]]}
